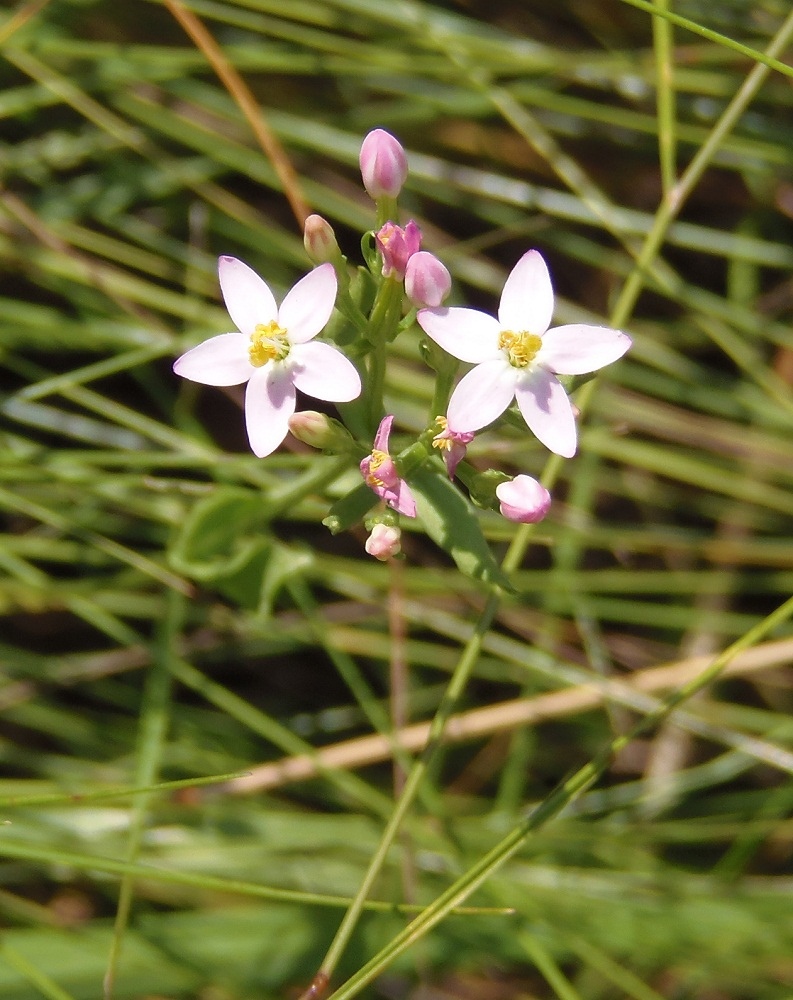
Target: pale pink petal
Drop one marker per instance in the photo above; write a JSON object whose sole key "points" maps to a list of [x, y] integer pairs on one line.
{"points": [[323, 372], [547, 410], [220, 360], [527, 297], [247, 297], [578, 349], [466, 334], [308, 304], [482, 395], [402, 500], [383, 434], [269, 403]]}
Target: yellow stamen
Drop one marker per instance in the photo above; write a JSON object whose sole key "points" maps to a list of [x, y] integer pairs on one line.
{"points": [[376, 460], [269, 342], [521, 347]]}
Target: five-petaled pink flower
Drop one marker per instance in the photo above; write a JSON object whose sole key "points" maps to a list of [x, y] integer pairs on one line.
{"points": [[518, 357], [273, 352], [380, 473]]}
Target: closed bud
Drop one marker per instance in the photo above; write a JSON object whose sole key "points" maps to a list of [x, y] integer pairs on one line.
{"points": [[384, 542], [384, 166], [319, 431], [427, 282], [320, 240], [524, 500]]}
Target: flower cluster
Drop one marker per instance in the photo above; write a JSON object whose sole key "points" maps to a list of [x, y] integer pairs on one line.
{"points": [[516, 356]]}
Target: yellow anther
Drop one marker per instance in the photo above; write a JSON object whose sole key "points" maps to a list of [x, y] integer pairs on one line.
{"points": [[521, 347], [376, 459], [269, 342]]}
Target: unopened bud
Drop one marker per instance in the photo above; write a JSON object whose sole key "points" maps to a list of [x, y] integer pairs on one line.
{"points": [[319, 431], [384, 542], [384, 166], [427, 282], [320, 240], [524, 500]]}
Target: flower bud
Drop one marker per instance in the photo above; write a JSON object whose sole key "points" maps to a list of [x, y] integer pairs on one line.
{"points": [[397, 246], [427, 282], [384, 166], [319, 431], [384, 542], [523, 499], [320, 240]]}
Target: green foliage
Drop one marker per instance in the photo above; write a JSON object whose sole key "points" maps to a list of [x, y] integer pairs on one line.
{"points": [[173, 608]]}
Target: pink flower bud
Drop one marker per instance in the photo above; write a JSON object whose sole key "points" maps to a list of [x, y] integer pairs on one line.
{"points": [[427, 282], [523, 499], [319, 431], [397, 246], [384, 542], [320, 240], [384, 166]]}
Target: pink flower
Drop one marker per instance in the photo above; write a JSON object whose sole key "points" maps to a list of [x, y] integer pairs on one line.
{"points": [[427, 282], [380, 473], [384, 166], [518, 357], [273, 352], [397, 246], [453, 444], [384, 542], [523, 499]]}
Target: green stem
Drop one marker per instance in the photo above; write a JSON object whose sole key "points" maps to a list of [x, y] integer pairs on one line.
{"points": [[383, 322], [671, 205], [664, 69], [414, 779]]}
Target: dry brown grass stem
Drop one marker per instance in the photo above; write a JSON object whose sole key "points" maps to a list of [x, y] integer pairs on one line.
{"points": [[503, 716], [247, 104], [21, 17]]}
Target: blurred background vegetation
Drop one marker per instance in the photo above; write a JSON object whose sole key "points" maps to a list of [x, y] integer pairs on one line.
{"points": [[172, 608]]}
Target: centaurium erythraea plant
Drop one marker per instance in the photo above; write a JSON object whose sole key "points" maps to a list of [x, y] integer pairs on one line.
{"points": [[518, 357], [274, 350]]}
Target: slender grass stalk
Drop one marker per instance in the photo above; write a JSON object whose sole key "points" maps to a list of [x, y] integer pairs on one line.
{"points": [[241, 94], [155, 716], [663, 44], [563, 795]]}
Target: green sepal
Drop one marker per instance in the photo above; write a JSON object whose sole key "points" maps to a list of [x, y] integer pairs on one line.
{"points": [[452, 524], [370, 253], [350, 509]]}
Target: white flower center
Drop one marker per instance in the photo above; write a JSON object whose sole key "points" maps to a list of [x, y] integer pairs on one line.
{"points": [[521, 347], [269, 342]]}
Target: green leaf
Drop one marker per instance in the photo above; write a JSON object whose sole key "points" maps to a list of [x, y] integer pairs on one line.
{"points": [[215, 540], [452, 524]]}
